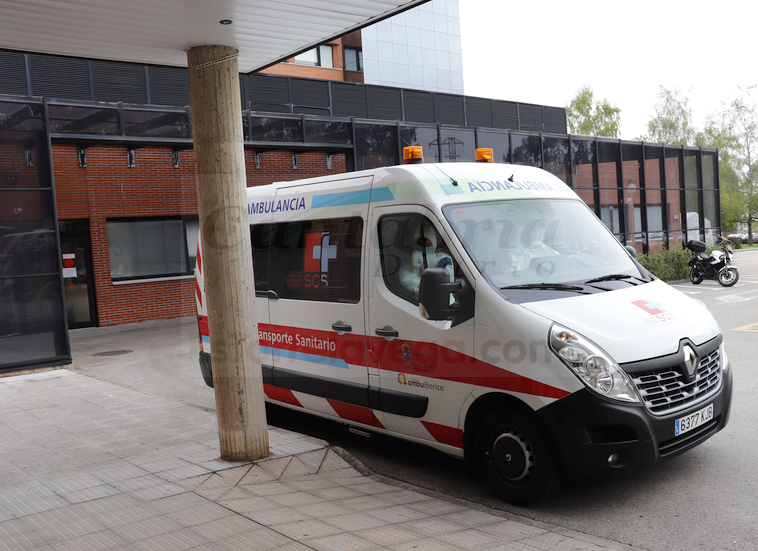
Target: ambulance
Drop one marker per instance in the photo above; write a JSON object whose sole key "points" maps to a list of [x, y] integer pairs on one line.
{"points": [[481, 309]]}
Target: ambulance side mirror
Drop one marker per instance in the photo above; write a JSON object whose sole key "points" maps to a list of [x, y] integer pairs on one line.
{"points": [[434, 297]]}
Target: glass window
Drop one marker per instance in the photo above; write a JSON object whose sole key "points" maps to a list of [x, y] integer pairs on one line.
{"points": [[271, 129], [316, 260], [308, 58], [425, 136], [583, 158], [151, 247], [607, 162], [556, 155], [375, 145], [410, 244], [499, 142], [31, 320], [328, 131], [709, 170], [158, 124], [527, 241], [320, 56], [526, 150], [674, 172], [27, 237], [457, 145], [353, 59], [653, 166], [72, 119]]}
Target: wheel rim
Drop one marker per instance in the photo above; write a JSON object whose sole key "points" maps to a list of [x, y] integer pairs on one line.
{"points": [[512, 457], [728, 275]]}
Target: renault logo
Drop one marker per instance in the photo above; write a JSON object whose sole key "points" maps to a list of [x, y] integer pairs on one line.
{"points": [[690, 361]]}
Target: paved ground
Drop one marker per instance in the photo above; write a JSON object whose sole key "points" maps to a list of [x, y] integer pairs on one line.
{"points": [[87, 464]]}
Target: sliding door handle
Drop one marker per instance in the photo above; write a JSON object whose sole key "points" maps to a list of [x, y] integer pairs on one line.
{"points": [[387, 332]]}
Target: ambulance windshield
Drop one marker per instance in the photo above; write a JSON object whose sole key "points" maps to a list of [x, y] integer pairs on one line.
{"points": [[539, 243]]}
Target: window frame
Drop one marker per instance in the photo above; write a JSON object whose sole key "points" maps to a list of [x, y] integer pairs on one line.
{"points": [[320, 57], [358, 58], [190, 257], [282, 232]]}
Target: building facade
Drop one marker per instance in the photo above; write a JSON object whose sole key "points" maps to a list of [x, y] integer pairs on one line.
{"points": [[98, 208]]}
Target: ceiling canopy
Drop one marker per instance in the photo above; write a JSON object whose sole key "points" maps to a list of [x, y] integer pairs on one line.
{"points": [[159, 31]]}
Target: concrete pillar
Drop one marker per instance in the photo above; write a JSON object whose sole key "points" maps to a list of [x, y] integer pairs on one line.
{"points": [[227, 258]]}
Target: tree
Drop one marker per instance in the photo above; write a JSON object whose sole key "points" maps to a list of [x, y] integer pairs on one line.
{"points": [[672, 122], [735, 132], [717, 134], [592, 118]]}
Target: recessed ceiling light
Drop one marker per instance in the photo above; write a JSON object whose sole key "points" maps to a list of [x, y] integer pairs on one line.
{"points": [[226, 21]]}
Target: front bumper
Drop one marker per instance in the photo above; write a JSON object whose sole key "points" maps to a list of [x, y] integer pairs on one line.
{"points": [[588, 430]]}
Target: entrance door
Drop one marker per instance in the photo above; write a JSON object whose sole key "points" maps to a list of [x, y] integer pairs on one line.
{"points": [[78, 280], [425, 367]]}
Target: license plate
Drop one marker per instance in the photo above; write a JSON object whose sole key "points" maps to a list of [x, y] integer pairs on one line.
{"points": [[693, 420]]}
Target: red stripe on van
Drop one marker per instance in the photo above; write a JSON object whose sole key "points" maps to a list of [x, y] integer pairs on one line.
{"points": [[423, 359], [202, 326], [491, 376], [198, 293], [271, 391], [420, 359], [286, 396], [354, 413], [445, 435]]}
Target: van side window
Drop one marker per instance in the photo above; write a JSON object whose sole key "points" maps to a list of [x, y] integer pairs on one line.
{"points": [[312, 259], [409, 244], [261, 237]]}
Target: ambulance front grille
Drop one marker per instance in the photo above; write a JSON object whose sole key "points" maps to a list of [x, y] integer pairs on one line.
{"points": [[666, 391]]}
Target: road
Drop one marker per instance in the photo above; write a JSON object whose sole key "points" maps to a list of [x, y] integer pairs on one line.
{"points": [[705, 499]]}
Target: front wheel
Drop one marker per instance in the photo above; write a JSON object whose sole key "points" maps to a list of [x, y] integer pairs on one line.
{"points": [[728, 277], [696, 276], [515, 458]]}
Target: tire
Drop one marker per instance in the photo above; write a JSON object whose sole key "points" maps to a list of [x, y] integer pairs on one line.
{"points": [[728, 277], [696, 276], [515, 458]]}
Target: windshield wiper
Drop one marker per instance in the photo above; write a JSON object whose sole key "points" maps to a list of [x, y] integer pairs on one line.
{"points": [[612, 277], [546, 287]]}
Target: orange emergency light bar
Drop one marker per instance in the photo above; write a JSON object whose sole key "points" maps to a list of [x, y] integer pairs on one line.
{"points": [[413, 154], [484, 155]]}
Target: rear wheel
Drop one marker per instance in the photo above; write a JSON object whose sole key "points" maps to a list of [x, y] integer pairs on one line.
{"points": [[728, 277], [515, 458], [696, 276]]}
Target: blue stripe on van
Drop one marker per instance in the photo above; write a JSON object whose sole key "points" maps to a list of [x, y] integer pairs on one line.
{"points": [[352, 198], [313, 358]]}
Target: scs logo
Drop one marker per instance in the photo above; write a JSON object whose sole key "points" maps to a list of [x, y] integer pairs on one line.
{"points": [[318, 253], [655, 309]]}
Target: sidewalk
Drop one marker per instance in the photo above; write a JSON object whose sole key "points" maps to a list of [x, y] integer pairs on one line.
{"points": [[91, 465]]}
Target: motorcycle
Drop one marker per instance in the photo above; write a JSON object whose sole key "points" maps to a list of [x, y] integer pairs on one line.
{"points": [[716, 266]]}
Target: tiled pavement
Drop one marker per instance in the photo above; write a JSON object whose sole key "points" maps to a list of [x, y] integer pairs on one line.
{"points": [[89, 465]]}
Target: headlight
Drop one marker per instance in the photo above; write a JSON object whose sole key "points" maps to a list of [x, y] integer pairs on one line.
{"points": [[723, 356], [592, 365]]}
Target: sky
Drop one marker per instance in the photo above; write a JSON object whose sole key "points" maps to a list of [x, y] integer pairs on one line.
{"points": [[544, 51]]}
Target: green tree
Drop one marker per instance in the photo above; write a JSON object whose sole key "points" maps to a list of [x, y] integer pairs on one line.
{"points": [[734, 130], [718, 134], [592, 118], [672, 122]]}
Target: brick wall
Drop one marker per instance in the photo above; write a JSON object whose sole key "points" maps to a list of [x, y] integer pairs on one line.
{"points": [[106, 189]]}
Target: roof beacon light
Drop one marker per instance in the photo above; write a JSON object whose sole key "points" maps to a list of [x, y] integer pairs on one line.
{"points": [[484, 155], [413, 154]]}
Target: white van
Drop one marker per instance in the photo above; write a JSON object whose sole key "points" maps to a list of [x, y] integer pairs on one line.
{"points": [[484, 310]]}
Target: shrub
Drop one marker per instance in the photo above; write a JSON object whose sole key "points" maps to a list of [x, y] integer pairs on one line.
{"points": [[668, 265]]}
